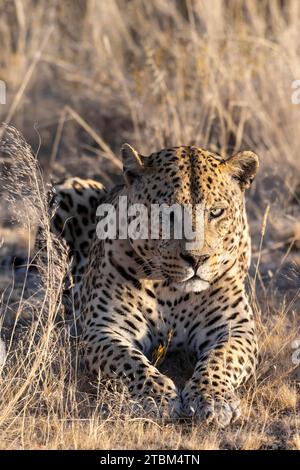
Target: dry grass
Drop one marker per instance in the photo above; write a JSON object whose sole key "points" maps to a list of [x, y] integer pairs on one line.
{"points": [[216, 74]]}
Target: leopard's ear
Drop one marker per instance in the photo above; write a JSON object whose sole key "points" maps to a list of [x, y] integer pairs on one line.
{"points": [[243, 167], [132, 163]]}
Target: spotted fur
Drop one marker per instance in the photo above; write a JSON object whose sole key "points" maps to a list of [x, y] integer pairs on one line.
{"points": [[132, 295]]}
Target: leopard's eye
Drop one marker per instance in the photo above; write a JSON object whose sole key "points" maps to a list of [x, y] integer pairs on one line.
{"points": [[216, 213]]}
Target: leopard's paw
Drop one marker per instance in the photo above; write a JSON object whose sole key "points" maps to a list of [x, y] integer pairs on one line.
{"points": [[220, 410], [157, 408]]}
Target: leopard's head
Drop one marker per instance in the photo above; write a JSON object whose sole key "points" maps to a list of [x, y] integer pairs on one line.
{"points": [[190, 222]]}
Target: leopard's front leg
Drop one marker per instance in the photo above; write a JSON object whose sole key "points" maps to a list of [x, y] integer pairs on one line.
{"points": [[116, 355], [226, 351]]}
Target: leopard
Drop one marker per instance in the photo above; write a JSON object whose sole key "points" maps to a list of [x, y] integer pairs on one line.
{"points": [[134, 295]]}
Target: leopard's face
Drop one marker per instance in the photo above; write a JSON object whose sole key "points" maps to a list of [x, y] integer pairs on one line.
{"points": [[200, 201]]}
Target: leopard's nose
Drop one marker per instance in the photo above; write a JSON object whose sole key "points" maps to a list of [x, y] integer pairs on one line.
{"points": [[194, 261]]}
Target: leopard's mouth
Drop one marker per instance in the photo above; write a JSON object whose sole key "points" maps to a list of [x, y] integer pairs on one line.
{"points": [[194, 283], [196, 277], [193, 277]]}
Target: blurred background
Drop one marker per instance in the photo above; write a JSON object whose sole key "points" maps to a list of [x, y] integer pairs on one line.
{"points": [[84, 76]]}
